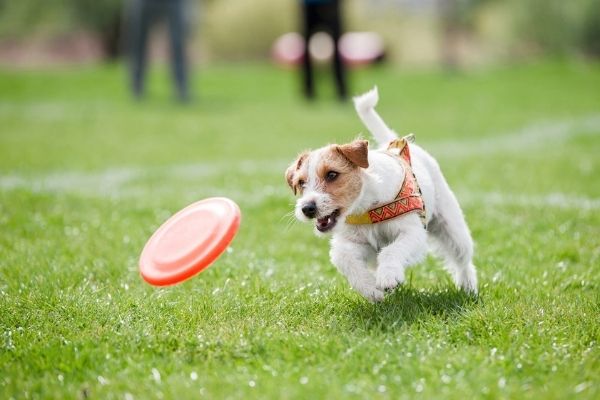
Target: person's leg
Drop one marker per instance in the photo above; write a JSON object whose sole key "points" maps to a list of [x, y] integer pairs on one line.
{"points": [[177, 32], [139, 25], [339, 70], [309, 20]]}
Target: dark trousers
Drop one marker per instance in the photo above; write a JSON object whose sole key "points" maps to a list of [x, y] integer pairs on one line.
{"points": [[143, 14], [323, 16]]}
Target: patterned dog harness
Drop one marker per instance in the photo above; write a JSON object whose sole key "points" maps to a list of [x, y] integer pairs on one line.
{"points": [[409, 199]]}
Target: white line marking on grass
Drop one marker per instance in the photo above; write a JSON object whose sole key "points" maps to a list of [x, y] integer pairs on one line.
{"points": [[115, 181], [135, 182], [533, 136], [553, 200], [66, 181], [121, 184]]}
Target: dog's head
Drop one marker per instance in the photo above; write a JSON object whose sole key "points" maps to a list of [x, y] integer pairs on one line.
{"points": [[328, 181]]}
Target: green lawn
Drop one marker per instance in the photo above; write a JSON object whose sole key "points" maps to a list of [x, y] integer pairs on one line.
{"points": [[86, 175]]}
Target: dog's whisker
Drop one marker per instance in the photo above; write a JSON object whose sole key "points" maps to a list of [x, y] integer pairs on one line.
{"points": [[288, 226], [286, 215], [291, 220]]}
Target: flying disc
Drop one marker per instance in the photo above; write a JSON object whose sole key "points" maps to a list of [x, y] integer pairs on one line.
{"points": [[189, 241]]}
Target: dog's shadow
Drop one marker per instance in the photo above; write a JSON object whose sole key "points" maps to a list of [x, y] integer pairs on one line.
{"points": [[408, 305]]}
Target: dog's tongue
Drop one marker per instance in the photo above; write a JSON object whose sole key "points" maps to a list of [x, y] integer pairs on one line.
{"points": [[324, 221]]}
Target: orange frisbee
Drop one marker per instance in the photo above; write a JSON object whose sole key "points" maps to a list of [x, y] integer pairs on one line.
{"points": [[189, 241]]}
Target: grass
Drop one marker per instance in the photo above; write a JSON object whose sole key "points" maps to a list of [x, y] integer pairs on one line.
{"points": [[86, 176]]}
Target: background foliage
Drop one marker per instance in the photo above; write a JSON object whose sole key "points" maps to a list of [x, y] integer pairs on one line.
{"points": [[245, 29]]}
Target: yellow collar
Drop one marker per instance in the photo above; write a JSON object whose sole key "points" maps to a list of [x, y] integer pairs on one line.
{"points": [[408, 199]]}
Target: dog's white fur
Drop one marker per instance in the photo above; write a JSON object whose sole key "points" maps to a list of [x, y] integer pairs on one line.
{"points": [[400, 242]]}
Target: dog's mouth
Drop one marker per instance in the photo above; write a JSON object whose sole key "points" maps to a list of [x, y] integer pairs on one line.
{"points": [[326, 223]]}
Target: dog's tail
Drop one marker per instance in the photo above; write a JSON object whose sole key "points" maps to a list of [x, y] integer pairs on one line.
{"points": [[365, 107]]}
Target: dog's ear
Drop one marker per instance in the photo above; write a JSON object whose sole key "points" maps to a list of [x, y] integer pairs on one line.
{"points": [[356, 152], [289, 177], [290, 172]]}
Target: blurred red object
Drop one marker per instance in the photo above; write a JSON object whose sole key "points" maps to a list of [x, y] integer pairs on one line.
{"points": [[356, 48], [288, 49]]}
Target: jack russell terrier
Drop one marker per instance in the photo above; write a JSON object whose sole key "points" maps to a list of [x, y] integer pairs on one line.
{"points": [[384, 208]]}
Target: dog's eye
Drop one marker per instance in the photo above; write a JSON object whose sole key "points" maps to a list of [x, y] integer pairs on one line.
{"points": [[331, 176], [301, 183]]}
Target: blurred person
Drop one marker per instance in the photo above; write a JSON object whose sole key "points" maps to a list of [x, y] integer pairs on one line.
{"points": [[452, 27], [322, 15], [142, 15]]}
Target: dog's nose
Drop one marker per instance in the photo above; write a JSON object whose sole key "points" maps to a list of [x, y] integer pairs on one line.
{"points": [[310, 209]]}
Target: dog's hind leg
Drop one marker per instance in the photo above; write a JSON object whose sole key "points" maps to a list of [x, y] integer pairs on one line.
{"points": [[452, 240]]}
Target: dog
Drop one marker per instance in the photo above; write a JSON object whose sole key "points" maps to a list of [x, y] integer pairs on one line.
{"points": [[384, 208]]}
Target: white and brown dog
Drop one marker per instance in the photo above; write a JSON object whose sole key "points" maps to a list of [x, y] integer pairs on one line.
{"points": [[383, 207]]}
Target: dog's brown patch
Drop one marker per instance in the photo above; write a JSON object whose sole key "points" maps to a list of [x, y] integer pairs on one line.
{"points": [[296, 174], [356, 152], [346, 186]]}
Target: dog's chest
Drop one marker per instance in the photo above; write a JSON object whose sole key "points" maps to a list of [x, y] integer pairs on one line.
{"points": [[377, 236]]}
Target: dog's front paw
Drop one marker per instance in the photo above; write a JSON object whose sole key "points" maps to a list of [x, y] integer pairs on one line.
{"points": [[371, 293], [367, 288], [388, 278]]}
